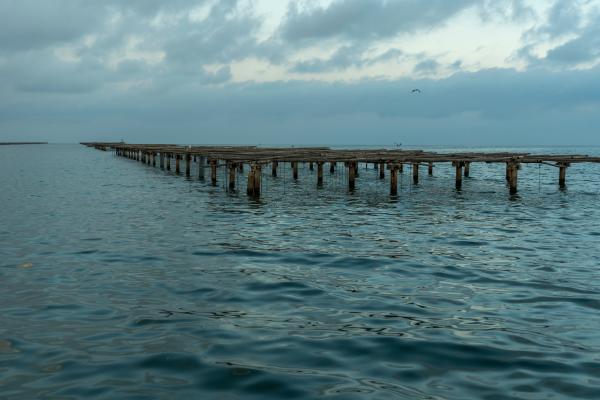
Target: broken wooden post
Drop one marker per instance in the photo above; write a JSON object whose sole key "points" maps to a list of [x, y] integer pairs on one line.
{"points": [[415, 171], [394, 180], [351, 176], [430, 169], [188, 162], [381, 171], [274, 165], [213, 172], [232, 167], [467, 164], [319, 173]]}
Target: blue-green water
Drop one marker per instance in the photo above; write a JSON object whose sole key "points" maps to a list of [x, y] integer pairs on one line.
{"points": [[119, 280]]}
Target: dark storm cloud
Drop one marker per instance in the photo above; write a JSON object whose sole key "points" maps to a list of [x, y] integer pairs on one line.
{"points": [[364, 20]]}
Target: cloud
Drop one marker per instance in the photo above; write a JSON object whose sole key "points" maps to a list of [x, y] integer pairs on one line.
{"points": [[367, 20]]}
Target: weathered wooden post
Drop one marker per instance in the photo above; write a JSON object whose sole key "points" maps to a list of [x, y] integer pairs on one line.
{"points": [[514, 168], [177, 164], [394, 180], [562, 175], [415, 171], [401, 168], [201, 165], [351, 176], [253, 188], [467, 168], [188, 163], [232, 167], [381, 171], [430, 169], [295, 169], [332, 167], [213, 172], [507, 172], [162, 160], [459, 173], [153, 159], [319, 173], [241, 167], [274, 169], [310, 166], [168, 161], [356, 174]]}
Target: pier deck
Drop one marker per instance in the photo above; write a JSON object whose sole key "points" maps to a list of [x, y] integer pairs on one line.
{"points": [[393, 160]]}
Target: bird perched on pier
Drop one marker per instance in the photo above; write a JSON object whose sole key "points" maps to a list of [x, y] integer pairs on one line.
{"points": [[416, 91]]}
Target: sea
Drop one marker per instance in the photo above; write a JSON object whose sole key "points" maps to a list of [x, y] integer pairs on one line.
{"points": [[123, 281]]}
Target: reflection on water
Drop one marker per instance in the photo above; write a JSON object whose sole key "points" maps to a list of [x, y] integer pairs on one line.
{"points": [[140, 284]]}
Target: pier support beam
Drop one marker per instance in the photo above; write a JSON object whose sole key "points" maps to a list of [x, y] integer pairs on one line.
{"points": [[351, 176], [401, 168], [332, 167], [394, 180], [381, 171], [310, 166], [177, 164], [430, 169], [356, 174], [467, 168], [168, 162], [415, 171], [154, 159], [319, 173], [213, 172], [253, 189], [188, 163], [232, 167], [295, 169], [274, 165]]}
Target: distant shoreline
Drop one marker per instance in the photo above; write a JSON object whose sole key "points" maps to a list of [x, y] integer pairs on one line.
{"points": [[20, 143]]}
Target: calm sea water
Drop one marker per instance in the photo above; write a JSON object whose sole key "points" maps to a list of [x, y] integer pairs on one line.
{"points": [[118, 280]]}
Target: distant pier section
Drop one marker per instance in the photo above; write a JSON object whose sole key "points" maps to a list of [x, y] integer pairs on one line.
{"points": [[387, 162], [19, 143]]}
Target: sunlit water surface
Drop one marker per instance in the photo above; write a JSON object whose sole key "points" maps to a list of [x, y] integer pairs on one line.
{"points": [[119, 280]]}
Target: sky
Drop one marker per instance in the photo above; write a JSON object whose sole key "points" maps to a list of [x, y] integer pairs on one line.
{"points": [[488, 72]]}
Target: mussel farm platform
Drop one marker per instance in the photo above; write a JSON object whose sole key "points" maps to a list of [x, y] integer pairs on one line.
{"points": [[233, 158]]}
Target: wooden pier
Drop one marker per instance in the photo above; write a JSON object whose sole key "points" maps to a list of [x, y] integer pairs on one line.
{"points": [[235, 158]]}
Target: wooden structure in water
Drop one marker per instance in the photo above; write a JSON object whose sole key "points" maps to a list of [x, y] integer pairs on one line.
{"points": [[234, 158]]}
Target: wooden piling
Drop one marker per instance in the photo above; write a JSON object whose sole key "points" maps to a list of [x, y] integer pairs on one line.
{"points": [[232, 167], [394, 180], [513, 177], [415, 171], [254, 177], [562, 175], [295, 169], [213, 172], [168, 162], [351, 176], [319, 173], [274, 165], [381, 171], [332, 167], [177, 164], [356, 173], [241, 168], [467, 168], [310, 166], [459, 174], [201, 165], [430, 169], [188, 163]]}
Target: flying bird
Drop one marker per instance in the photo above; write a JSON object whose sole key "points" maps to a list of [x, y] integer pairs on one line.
{"points": [[416, 91]]}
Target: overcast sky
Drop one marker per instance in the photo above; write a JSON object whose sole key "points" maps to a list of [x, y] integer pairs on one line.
{"points": [[490, 72]]}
